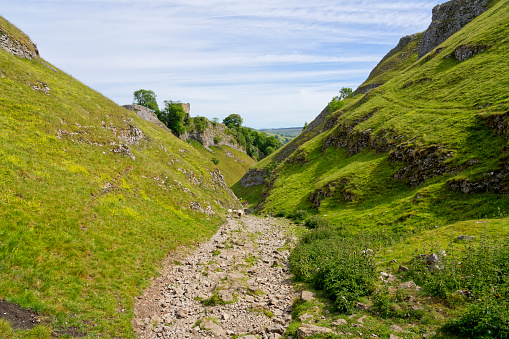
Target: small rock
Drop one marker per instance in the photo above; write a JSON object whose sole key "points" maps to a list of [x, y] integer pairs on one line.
{"points": [[211, 326], [362, 307], [361, 319], [225, 296], [466, 238], [276, 329], [409, 285], [305, 316], [339, 322], [250, 336], [181, 313], [403, 268], [307, 330], [396, 328], [307, 296], [392, 336]]}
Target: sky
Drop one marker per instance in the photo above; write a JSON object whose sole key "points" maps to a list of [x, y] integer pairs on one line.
{"points": [[277, 63]]}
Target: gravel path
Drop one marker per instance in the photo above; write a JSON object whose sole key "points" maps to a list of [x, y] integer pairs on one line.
{"points": [[237, 283]]}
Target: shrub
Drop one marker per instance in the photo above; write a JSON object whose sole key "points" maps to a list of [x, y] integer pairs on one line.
{"points": [[488, 319], [215, 161], [217, 140], [281, 214], [316, 221], [335, 265], [298, 215]]}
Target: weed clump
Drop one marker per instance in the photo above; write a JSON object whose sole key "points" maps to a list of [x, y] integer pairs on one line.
{"points": [[478, 275], [298, 215], [335, 265], [316, 221], [281, 214]]}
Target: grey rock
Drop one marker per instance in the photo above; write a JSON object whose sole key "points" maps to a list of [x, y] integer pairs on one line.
{"points": [[306, 331], [396, 328], [362, 307], [253, 177], [339, 322], [466, 238], [403, 268], [214, 328], [276, 329], [225, 296], [409, 285], [307, 296], [447, 19]]}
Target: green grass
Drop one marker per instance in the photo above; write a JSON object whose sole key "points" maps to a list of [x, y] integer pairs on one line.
{"points": [[83, 229], [232, 168]]}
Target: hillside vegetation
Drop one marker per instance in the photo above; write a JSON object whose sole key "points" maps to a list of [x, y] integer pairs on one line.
{"points": [[416, 157], [92, 198]]}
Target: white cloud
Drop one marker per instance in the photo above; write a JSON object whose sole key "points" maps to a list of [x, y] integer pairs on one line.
{"points": [[221, 55]]}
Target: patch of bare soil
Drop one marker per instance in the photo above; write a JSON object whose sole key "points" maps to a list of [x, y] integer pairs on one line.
{"points": [[19, 318]]}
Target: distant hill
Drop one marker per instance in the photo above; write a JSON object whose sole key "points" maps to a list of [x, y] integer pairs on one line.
{"points": [[284, 134]]}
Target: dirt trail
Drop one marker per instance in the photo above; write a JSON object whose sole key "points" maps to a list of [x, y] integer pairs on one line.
{"points": [[237, 283]]}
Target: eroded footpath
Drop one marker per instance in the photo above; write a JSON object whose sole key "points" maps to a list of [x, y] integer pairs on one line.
{"points": [[237, 283]]}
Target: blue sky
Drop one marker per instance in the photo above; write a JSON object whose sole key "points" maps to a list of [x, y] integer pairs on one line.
{"points": [[275, 62]]}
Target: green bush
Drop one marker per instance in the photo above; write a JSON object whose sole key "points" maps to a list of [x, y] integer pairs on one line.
{"points": [[316, 221], [215, 161], [335, 265], [482, 269], [217, 140], [488, 319], [281, 214], [298, 215]]}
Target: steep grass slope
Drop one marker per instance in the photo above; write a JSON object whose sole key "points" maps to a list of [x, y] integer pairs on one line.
{"points": [[91, 199], [415, 149], [231, 162]]}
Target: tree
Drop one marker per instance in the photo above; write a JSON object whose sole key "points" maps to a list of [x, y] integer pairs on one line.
{"points": [[345, 92], [305, 125], [146, 98], [200, 124], [335, 104], [174, 116], [233, 120]]}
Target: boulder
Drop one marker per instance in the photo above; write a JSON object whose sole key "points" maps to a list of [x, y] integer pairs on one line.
{"points": [[306, 331], [307, 296]]}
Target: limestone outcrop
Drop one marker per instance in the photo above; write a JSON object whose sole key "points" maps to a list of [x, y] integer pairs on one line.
{"points": [[17, 48], [449, 18], [146, 114]]}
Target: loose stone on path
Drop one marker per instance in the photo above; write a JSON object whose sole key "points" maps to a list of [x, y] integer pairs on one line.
{"points": [[237, 283]]}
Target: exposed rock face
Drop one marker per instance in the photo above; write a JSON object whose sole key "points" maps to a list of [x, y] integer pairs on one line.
{"points": [[319, 119], [449, 18], [253, 177], [16, 48], [146, 114], [464, 52], [422, 163], [207, 137]]}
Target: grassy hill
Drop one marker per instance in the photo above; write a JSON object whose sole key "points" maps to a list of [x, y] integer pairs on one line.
{"points": [[231, 162], [92, 198], [403, 166]]}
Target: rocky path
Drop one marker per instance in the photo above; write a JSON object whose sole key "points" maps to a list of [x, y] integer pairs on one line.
{"points": [[236, 284]]}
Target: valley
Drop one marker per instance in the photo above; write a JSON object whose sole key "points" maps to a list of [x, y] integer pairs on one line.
{"points": [[385, 217]]}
